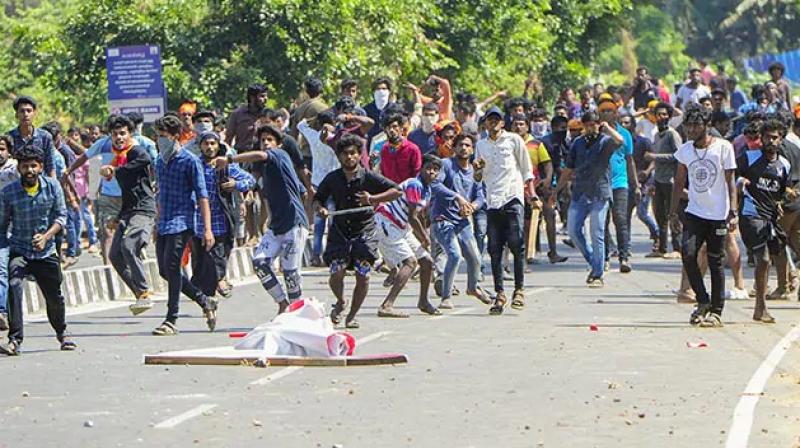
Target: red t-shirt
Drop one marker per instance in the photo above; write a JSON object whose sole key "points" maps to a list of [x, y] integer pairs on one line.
{"points": [[402, 162]]}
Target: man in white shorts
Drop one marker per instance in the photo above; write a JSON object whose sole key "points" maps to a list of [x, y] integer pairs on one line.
{"points": [[403, 240]]}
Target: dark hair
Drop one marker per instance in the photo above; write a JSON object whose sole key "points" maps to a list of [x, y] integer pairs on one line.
{"points": [[347, 83], [348, 140], [204, 113], [169, 124], [8, 141], [388, 119], [119, 121], [326, 117], [774, 124], [272, 130], [430, 159], [53, 128], [466, 107], [642, 67], [273, 114], [704, 99], [538, 113], [136, 117], [663, 105], [461, 137], [776, 66], [560, 106], [255, 90], [519, 117], [74, 129], [382, 80], [697, 114], [753, 128], [344, 105], [754, 115], [313, 87], [786, 117], [757, 90], [430, 107], [719, 92], [24, 99], [719, 117], [557, 120], [516, 102], [590, 116], [30, 152]]}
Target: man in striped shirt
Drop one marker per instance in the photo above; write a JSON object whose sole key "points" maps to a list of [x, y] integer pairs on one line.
{"points": [[403, 240]]}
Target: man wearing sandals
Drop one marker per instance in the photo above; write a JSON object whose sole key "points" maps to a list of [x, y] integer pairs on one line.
{"points": [[503, 164], [34, 209], [709, 165], [765, 177], [288, 226], [403, 240], [453, 201], [351, 237], [181, 189]]}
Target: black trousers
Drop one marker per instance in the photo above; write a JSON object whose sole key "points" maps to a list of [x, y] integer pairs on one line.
{"points": [[505, 228], [169, 251], [661, 206], [47, 274], [210, 266], [697, 231]]}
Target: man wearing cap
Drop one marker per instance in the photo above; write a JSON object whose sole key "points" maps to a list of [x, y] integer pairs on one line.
{"points": [[26, 133], [503, 164], [692, 91], [132, 167]]}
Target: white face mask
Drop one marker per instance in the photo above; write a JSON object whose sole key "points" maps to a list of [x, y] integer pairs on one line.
{"points": [[201, 127], [427, 123], [381, 97], [539, 129]]}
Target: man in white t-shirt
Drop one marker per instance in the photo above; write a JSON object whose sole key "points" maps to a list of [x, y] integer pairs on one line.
{"points": [[692, 91], [709, 165]]}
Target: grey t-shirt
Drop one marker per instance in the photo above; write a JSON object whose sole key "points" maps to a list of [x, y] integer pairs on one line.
{"points": [[666, 143]]}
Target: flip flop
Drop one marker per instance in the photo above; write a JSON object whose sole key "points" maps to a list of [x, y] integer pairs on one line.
{"points": [[481, 295], [336, 313], [428, 308], [391, 313]]}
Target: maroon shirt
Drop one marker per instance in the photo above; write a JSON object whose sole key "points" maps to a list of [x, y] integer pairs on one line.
{"points": [[241, 128], [401, 163]]}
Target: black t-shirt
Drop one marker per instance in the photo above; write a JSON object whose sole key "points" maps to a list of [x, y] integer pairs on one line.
{"points": [[293, 149], [343, 192], [641, 145], [134, 181], [768, 182], [641, 98], [792, 154]]}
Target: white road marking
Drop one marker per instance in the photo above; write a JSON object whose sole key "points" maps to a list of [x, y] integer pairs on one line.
{"points": [[461, 311], [185, 396], [292, 369], [180, 418], [739, 432]]}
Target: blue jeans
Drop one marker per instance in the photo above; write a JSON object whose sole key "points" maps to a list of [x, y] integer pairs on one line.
{"points": [[73, 231], [479, 227], [86, 217], [596, 210], [4, 279], [319, 229], [457, 240], [643, 213]]}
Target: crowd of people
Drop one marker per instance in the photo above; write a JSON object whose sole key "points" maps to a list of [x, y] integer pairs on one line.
{"points": [[414, 183]]}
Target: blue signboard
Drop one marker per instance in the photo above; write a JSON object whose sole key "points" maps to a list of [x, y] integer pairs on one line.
{"points": [[789, 59], [134, 81]]}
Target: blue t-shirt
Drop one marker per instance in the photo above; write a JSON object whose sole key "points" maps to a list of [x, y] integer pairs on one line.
{"points": [[619, 168], [591, 180], [425, 142], [283, 191]]}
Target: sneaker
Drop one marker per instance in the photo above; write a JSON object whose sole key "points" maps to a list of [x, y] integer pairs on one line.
{"points": [[3, 322], [779, 293], [699, 314], [10, 348], [736, 294], [446, 304], [624, 266], [712, 320], [142, 304], [67, 344], [595, 282]]}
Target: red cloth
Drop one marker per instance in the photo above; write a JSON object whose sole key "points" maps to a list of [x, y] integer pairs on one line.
{"points": [[402, 162]]}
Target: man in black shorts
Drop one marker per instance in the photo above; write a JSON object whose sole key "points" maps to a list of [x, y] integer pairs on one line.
{"points": [[351, 238], [764, 176]]}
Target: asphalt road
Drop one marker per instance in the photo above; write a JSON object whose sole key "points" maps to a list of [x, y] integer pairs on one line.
{"points": [[531, 378]]}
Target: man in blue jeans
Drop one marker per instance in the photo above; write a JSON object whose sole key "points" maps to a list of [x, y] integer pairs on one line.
{"points": [[8, 175], [455, 196], [641, 145], [588, 168]]}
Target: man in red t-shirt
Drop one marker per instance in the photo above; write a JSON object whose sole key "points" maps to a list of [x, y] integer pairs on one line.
{"points": [[400, 158]]}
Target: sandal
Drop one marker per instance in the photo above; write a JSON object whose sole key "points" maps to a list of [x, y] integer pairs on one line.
{"points": [[481, 295], [68, 346], [699, 313], [712, 320], [210, 313], [10, 349], [498, 305], [391, 313], [518, 300], [336, 312], [166, 329], [352, 323], [428, 308]]}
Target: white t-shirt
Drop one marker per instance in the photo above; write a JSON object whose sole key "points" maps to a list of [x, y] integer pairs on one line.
{"points": [[689, 95], [647, 129], [708, 193]]}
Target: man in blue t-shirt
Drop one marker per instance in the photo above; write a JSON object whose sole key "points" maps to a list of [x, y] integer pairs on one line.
{"points": [[288, 226], [587, 166], [623, 175]]}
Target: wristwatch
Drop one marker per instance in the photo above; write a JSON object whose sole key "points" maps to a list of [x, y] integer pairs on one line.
{"points": [[229, 158]]}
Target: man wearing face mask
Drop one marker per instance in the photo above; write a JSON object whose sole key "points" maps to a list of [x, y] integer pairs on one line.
{"points": [[588, 168], [539, 124], [663, 154], [203, 122], [424, 136], [557, 146], [382, 98]]}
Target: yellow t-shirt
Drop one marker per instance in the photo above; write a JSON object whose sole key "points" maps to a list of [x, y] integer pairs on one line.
{"points": [[537, 152], [32, 191]]}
